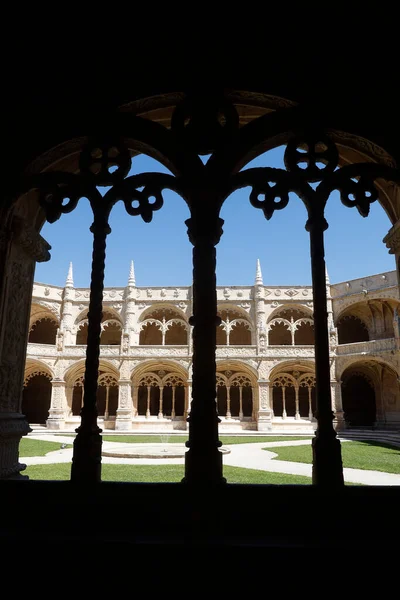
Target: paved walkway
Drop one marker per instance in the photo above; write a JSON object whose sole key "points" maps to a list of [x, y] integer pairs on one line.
{"points": [[249, 456]]}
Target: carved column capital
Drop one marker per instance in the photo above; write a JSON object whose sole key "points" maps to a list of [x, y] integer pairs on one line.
{"points": [[33, 244], [392, 239], [12, 427], [200, 232]]}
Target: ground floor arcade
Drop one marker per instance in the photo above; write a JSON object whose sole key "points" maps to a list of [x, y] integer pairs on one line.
{"points": [[156, 395]]}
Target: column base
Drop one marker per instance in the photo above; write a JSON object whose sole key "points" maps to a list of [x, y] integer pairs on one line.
{"points": [[264, 421], [86, 459], [327, 469], [339, 423], [13, 426], [56, 420], [203, 467], [123, 423]]}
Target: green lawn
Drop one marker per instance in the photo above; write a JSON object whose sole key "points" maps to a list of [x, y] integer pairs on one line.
{"points": [[173, 439], [369, 455], [29, 447], [163, 473]]}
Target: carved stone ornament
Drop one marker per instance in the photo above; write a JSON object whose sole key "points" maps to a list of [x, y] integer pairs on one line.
{"points": [[277, 292], [291, 292]]}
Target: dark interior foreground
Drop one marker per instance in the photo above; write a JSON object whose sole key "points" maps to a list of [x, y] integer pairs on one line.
{"points": [[252, 526]]}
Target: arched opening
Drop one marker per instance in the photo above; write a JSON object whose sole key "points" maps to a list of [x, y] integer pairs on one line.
{"points": [[111, 333], [43, 332], [81, 334], [150, 335], [240, 334], [235, 329], [279, 333], [304, 333], [176, 334], [36, 398], [358, 398], [234, 395], [163, 326], [148, 400], [293, 393], [351, 329], [77, 398], [107, 395]]}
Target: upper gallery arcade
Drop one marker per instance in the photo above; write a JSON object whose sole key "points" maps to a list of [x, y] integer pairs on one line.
{"points": [[265, 355]]}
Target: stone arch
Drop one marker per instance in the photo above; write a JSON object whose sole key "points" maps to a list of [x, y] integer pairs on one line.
{"points": [[36, 364], [43, 331], [70, 150], [352, 329], [236, 393], [291, 324], [152, 364], [303, 366], [304, 310], [237, 326], [36, 393], [160, 389], [163, 324], [111, 330], [43, 325], [111, 327], [304, 332], [352, 149], [376, 314], [344, 363], [107, 395], [279, 332], [74, 377], [81, 316], [359, 395], [82, 332], [298, 400], [160, 306]]}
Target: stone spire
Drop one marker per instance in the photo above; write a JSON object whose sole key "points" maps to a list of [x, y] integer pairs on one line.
{"points": [[259, 279], [131, 280], [70, 280], [327, 281]]}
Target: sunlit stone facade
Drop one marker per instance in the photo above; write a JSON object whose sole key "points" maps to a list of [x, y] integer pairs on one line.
{"points": [[265, 356]]}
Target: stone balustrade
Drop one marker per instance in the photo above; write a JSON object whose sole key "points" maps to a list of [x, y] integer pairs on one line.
{"points": [[371, 347]]}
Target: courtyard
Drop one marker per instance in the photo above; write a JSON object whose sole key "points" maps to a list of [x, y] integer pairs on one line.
{"points": [[248, 459]]}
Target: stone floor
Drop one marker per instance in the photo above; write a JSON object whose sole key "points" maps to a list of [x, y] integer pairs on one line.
{"points": [[250, 456]]}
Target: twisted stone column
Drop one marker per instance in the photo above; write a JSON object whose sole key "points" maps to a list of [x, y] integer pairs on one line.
{"points": [[203, 460], [327, 459], [86, 460], [20, 247]]}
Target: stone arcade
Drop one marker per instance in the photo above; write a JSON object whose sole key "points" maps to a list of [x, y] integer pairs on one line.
{"points": [[335, 109], [265, 356]]}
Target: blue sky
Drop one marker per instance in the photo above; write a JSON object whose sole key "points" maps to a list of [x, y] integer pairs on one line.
{"points": [[163, 255]]}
